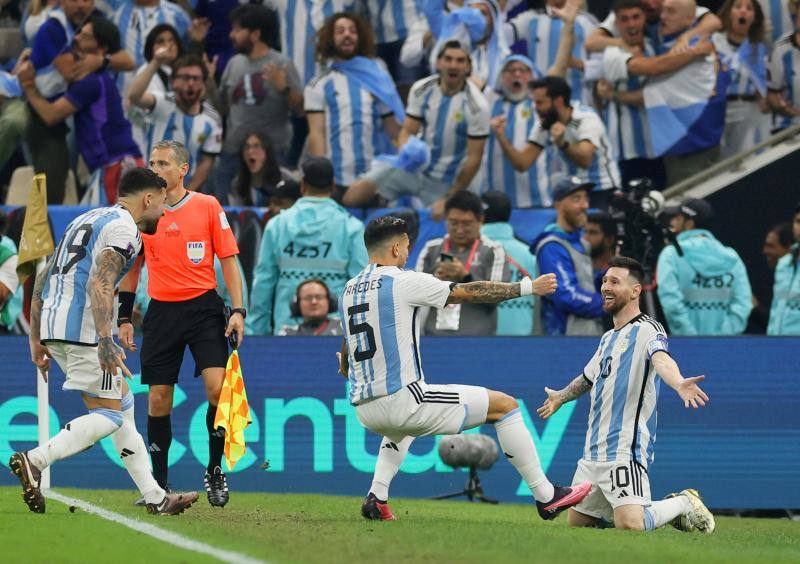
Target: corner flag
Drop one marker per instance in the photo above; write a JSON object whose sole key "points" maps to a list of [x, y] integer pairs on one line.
{"points": [[36, 241]]}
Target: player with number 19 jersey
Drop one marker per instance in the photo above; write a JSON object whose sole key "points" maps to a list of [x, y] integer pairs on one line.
{"points": [[67, 307]]}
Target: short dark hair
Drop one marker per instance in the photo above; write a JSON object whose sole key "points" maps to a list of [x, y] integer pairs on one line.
{"points": [[784, 233], [452, 44], [634, 267], [189, 60], [556, 87], [382, 229], [465, 200], [105, 32], [607, 224], [138, 179], [254, 17], [497, 206], [620, 5], [150, 42]]}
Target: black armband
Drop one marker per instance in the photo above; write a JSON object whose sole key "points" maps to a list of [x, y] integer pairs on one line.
{"points": [[126, 300]]}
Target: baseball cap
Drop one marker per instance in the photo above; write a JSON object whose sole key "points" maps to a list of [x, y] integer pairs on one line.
{"points": [[569, 185], [317, 172], [694, 208]]}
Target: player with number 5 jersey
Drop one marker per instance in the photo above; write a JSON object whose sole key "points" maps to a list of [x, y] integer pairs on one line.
{"points": [[379, 310], [623, 378], [315, 238]]}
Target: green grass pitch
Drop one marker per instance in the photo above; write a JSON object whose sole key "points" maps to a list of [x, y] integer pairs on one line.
{"points": [[318, 528]]}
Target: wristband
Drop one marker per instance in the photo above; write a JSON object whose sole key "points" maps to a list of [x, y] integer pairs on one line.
{"points": [[526, 286], [126, 300], [106, 61]]}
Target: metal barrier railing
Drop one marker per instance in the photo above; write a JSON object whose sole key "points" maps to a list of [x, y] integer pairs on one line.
{"points": [[733, 163]]}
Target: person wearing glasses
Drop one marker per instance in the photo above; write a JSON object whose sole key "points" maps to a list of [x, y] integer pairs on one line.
{"points": [[181, 115], [312, 304]]}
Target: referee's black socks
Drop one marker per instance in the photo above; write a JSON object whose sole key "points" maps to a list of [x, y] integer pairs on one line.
{"points": [[216, 440], [159, 438]]}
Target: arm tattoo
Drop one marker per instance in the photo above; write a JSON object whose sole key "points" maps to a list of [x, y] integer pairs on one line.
{"points": [[37, 302], [575, 389], [107, 268], [486, 292], [108, 351]]}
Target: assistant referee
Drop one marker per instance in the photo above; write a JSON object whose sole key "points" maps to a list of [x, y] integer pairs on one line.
{"points": [[185, 309]]}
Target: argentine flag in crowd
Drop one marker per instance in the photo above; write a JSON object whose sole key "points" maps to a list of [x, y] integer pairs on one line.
{"points": [[683, 106], [751, 62], [9, 85]]}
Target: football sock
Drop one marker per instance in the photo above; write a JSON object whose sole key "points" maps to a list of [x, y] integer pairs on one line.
{"points": [[216, 440], [159, 437], [517, 445], [76, 436], [662, 512], [129, 444], [390, 457]]}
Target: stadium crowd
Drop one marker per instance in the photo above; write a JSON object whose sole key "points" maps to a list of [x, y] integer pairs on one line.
{"points": [[470, 108]]}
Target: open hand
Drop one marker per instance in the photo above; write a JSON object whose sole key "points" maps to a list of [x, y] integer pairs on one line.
{"points": [[550, 405], [199, 29], [690, 392], [111, 357]]}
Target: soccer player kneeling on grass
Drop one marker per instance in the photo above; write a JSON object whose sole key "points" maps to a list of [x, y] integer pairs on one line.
{"points": [[71, 313], [623, 376], [379, 309]]}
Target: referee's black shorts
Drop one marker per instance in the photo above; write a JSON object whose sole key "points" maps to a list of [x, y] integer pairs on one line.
{"points": [[169, 326]]}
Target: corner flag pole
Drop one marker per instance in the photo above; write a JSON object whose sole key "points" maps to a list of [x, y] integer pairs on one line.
{"points": [[43, 404]]}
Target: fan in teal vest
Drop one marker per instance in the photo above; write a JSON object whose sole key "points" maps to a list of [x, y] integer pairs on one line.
{"points": [[705, 291], [514, 317], [784, 317]]}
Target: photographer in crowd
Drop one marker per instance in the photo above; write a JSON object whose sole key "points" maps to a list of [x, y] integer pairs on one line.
{"points": [[702, 284]]}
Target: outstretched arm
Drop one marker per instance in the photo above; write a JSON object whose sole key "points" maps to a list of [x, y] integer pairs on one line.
{"points": [[487, 292], [555, 399], [107, 268], [687, 388]]}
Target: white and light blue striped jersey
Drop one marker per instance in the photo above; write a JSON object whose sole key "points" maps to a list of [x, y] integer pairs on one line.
{"points": [[625, 386], [627, 125], [135, 22], [447, 123], [67, 309], [352, 122], [524, 189], [584, 125], [200, 134], [49, 81], [541, 32], [776, 12], [380, 314], [783, 74], [300, 21], [651, 29], [391, 19]]}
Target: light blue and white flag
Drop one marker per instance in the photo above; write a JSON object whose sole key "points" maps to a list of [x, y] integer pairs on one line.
{"points": [[9, 85], [678, 107], [750, 61]]}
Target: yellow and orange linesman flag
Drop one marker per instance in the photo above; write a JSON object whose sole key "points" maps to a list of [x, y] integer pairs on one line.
{"points": [[233, 411]]}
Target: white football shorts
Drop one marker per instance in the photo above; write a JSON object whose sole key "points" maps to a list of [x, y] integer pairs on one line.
{"points": [[82, 367], [421, 409], [614, 484]]}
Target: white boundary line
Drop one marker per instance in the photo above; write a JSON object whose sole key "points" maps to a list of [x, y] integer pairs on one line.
{"points": [[148, 529]]}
